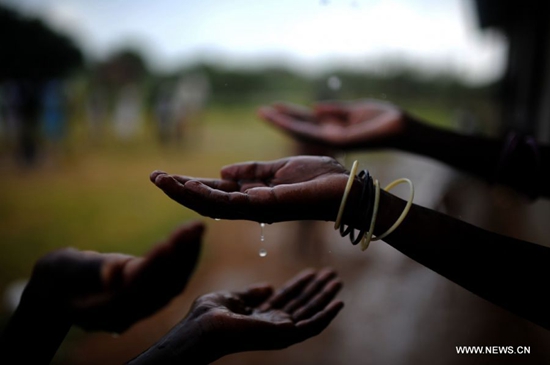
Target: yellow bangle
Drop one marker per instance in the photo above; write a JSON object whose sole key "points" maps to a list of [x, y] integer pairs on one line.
{"points": [[346, 194], [365, 242], [405, 211]]}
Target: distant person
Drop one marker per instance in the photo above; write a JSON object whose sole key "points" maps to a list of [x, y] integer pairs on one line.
{"points": [[127, 117], [112, 292], [190, 97], [164, 113], [54, 118]]}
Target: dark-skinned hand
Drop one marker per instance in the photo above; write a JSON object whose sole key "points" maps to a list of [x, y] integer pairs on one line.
{"points": [[110, 292], [340, 125], [294, 188], [223, 323]]}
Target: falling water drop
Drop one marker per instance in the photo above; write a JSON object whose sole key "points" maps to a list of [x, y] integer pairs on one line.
{"points": [[217, 219], [262, 237], [263, 251]]}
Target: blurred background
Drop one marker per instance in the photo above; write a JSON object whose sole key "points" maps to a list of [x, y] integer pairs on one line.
{"points": [[94, 95]]}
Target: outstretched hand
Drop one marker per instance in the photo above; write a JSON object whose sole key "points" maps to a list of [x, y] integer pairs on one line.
{"points": [[294, 188], [111, 292], [257, 319], [342, 125], [223, 323]]}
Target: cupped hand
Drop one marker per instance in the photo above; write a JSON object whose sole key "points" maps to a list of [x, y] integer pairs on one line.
{"points": [[111, 292], [257, 319], [342, 125], [294, 188]]}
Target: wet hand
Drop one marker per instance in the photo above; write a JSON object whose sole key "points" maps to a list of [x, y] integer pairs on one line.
{"points": [[294, 188], [342, 125], [257, 319]]}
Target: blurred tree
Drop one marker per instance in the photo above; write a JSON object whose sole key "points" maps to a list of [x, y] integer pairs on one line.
{"points": [[33, 51], [32, 55]]}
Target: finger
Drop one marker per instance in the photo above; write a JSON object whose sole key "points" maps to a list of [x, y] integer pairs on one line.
{"points": [[200, 199], [252, 171], [319, 301], [255, 295], [154, 175], [297, 111], [217, 203], [311, 290], [225, 185], [316, 324], [289, 290], [166, 269], [112, 270]]}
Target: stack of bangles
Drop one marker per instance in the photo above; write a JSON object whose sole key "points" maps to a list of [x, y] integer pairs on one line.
{"points": [[369, 200]]}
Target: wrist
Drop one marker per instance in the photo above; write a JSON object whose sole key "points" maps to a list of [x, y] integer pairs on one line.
{"points": [[409, 134], [390, 208], [35, 331], [185, 343]]}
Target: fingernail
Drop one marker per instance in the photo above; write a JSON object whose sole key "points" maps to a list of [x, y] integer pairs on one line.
{"points": [[161, 179], [156, 173]]}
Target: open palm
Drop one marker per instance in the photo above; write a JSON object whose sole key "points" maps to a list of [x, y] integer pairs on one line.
{"points": [[294, 188]]}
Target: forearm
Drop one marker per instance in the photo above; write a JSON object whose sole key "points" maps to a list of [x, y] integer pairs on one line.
{"points": [[34, 333], [477, 155], [522, 167], [507, 272], [182, 346]]}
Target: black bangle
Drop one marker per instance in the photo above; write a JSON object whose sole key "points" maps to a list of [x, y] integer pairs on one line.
{"points": [[365, 205]]}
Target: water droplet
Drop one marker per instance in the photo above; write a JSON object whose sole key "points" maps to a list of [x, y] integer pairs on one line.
{"points": [[217, 219], [262, 237], [262, 252], [383, 96], [334, 83], [324, 2]]}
